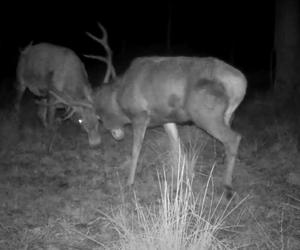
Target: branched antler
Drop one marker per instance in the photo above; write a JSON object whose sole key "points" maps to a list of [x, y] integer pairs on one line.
{"points": [[110, 72]]}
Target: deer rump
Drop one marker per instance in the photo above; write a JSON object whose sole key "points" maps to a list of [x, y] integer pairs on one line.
{"points": [[162, 90], [57, 75]]}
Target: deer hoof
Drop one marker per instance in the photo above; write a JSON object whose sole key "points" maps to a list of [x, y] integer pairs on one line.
{"points": [[228, 192]]}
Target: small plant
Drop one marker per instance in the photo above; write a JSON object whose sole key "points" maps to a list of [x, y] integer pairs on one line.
{"points": [[179, 220]]}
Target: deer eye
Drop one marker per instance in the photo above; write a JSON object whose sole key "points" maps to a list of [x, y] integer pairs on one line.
{"points": [[80, 121]]}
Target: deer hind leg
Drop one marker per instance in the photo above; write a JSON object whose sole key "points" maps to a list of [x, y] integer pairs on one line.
{"points": [[139, 126], [229, 113], [215, 125], [231, 141], [228, 116]]}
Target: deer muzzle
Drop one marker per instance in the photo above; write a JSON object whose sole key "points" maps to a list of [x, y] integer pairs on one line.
{"points": [[94, 138], [118, 134]]}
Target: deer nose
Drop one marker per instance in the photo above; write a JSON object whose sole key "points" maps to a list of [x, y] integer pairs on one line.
{"points": [[94, 139], [118, 134]]}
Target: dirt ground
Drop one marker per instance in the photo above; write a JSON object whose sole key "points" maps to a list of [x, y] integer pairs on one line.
{"points": [[54, 187]]}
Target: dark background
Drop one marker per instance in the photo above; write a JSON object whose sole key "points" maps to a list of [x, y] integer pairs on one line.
{"points": [[239, 32]]}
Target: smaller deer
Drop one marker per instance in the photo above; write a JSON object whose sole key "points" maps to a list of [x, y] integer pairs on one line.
{"points": [[57, 75]]}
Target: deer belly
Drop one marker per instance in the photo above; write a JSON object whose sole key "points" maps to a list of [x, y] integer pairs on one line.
{"points": [[161, 116], [167, 108]]}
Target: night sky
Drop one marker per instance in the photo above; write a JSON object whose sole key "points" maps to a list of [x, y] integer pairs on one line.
{"points": [[239, 32]]}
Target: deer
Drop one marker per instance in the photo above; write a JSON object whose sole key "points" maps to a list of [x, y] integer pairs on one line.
{"points": [[58, 77], [166, 91]]}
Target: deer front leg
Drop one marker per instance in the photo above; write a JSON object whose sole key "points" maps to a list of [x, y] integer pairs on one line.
{"points": [[172, 132], [51, 110], [42, 111], [139, 127]]}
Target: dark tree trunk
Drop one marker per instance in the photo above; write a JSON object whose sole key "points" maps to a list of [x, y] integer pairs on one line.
{"points": [[287, 71], [287, 50]]}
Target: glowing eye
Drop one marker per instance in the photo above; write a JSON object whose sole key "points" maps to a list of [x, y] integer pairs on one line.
{"points": [[80, 121]]}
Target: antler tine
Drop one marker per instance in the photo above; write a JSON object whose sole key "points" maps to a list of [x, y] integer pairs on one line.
{"points": [[69, 113], [71, 104], [97, 39], [59, 98], [103, 31], [110, 68], [100, 58], [110, 72]]}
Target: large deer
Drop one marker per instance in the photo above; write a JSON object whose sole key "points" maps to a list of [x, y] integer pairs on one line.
{"points": [[173, 90], [57, 75]]}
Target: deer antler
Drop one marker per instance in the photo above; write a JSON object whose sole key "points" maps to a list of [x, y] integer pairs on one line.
{"points": [[69, 112], [108, 60], [70, 105], [64, 99]]}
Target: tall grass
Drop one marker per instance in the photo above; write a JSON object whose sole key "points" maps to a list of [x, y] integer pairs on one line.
{"points": [[179, 220]]}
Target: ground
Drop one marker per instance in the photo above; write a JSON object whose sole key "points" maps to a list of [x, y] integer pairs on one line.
{"points": [[54, 188]]}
